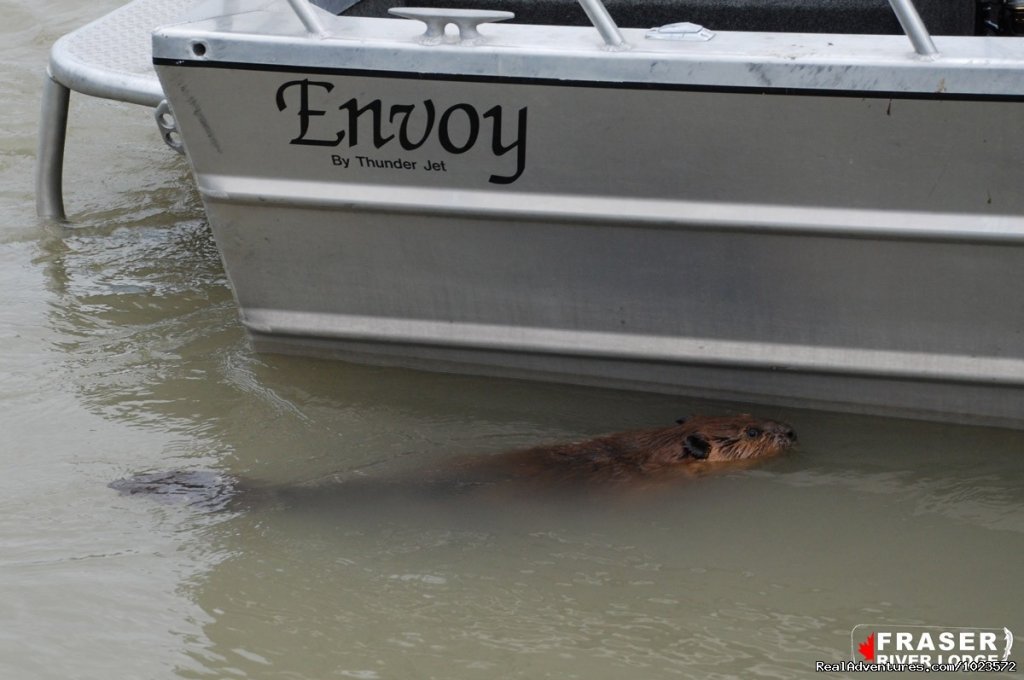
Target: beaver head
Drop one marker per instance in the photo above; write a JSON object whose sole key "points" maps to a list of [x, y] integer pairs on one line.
{"points": [[686, 447], [724, 438]]}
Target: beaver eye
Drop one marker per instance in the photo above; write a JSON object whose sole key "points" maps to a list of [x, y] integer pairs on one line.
{"points": [[753, 432]]}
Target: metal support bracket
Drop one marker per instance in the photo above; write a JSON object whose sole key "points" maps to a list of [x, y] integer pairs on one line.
{"points": [[53, 131]]}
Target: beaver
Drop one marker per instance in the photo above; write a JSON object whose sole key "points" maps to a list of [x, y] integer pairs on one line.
{"points": [[691, 447]]}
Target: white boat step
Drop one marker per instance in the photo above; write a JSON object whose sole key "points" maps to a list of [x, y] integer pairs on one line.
{"points": [[110, 58]]}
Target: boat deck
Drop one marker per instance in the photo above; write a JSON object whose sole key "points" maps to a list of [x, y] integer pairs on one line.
{"points": [[112, 57]]}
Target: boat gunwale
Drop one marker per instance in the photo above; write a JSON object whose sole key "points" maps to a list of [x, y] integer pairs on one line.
{"points": [[883, 66], [584, 83]]}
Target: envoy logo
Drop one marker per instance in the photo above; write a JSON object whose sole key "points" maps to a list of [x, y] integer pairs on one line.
{"points": [[929, 645]]}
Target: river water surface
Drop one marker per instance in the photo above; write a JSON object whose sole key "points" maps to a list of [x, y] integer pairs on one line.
{"points": [[120, 353]]}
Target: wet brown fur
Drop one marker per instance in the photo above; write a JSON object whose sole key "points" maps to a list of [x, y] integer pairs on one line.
{"points": [[692, 447]]}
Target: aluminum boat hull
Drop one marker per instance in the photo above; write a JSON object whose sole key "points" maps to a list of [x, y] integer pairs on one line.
{"points": [[824, 221]]}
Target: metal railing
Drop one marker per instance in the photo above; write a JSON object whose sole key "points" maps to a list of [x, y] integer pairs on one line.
{"points": [[905, 10]]}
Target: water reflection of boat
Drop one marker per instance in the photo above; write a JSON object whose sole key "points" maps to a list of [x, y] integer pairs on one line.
{"points": [[828, 218]]}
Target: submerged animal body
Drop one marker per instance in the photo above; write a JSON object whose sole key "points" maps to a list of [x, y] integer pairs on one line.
{"points": [[639, 458]]}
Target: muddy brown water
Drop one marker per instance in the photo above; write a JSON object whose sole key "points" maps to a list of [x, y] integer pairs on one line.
{"points": [[120, 352]]}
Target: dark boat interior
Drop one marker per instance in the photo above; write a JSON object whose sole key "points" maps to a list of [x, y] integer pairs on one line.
{"points": [[941, 17]]}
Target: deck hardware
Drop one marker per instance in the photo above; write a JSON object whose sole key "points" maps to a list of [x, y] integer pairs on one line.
{"points": [[437, 19], [680, 31], [168, 127]]}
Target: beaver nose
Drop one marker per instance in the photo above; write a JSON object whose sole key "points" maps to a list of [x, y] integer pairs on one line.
{"points": [[790, 433]]}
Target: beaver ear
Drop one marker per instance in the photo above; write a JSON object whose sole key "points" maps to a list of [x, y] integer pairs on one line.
{"points": [[696, 447], [680, 421]]}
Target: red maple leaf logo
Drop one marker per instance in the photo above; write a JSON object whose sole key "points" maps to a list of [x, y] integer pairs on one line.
{"points": [[867, 648]]}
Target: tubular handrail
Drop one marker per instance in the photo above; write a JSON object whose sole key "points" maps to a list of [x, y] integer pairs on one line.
{"points": [[913, 26], [603, 22], [307, 15]]}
